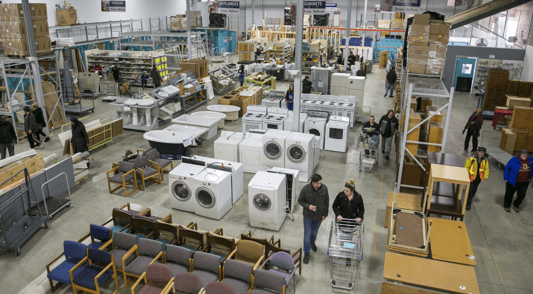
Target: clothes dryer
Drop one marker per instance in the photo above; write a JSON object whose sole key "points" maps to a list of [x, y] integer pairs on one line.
{"points": [[212, 193], [181, 180]]}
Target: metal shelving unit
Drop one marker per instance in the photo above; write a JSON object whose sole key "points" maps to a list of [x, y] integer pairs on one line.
{"points": [[121, 26], [153, 39]]}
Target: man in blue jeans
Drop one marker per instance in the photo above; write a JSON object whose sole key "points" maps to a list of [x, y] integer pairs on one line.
{"points": [[314, 199]]}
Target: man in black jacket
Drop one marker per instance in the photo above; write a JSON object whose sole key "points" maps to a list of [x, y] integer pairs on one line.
{"points": [[391, 81], [7, 137], [371, 129], [340, 60], [31, 127], [156, 77], [116, 73], [307, 85], [351, 59], [314, 199], [388, 125]]}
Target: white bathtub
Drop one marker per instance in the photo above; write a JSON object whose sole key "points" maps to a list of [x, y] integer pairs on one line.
{"points": [[212, 114], [231, 111], [198, 121], [196, 132], [169, 143]]}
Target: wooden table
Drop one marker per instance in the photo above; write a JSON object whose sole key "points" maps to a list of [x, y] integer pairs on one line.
{"points": [[402, 201], [458, 177], [430, 274], [450, 242], [390, 288]]}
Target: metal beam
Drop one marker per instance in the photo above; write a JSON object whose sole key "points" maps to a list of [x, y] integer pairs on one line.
{"points": [[189, 41], [298, 64], [347, 34], [483, 11]]}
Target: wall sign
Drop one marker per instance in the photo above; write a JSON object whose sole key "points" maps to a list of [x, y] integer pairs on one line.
{"points": [[228, 7], [113, 6], [331, 7], [312, 7], [412, 6]]}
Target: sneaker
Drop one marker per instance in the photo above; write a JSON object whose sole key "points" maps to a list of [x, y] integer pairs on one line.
{"points": [[47, 139], [468, 207], [384, 95], [306, 259], [507, 209], [313, 247], [516, 209], [39, 146]]}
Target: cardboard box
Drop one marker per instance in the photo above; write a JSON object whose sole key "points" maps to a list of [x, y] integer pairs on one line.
{"points": [[439, 39], [418, 40], [17, 29], [434, 66], [414, 119], [508, 140], [521, 117], [225, 100], [422, 19], [419, 30], [521, 141], [529, 145], [241, 102], [19, 47], [189, 89], [439, 29], [513, 101], [13, 12], [435, 134], [67, 17], [417, 58]]}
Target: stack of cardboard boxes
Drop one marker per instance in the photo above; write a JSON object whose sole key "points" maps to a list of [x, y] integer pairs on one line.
{"points": [[426, 45], [398, 23], [243, 97], [519, 132], [67, 17], [179, 22], [247, 51], [14, 32]]}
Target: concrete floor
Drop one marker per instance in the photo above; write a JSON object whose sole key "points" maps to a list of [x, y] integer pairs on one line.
{"points": [[501, 240]]}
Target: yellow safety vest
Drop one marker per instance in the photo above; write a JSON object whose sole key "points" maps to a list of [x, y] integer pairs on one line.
{"points": [[471, 166]]}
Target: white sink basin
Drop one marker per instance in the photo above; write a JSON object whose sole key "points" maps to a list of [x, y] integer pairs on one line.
{"points": [[198, 121], [212, 114], [231, 111]]}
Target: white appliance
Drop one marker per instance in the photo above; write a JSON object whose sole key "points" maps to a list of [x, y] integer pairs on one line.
{"points": [[250, 153], [300, 154], [271, 102], [212, 193], [306, 105], [310, 97], [339, 83], [227, 146], [316, 125], [267, 200], [317, 152], [346, 108], [181, 186], [337, 134], [328, 104], [274, 148], [287, 125], [292, 176], [356, 87], [275, 118], [236, 169], [253, 119]]}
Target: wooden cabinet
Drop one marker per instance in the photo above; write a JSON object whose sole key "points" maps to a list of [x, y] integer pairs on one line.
{"points": [[524, 89], [512, 88], [497, 85]]}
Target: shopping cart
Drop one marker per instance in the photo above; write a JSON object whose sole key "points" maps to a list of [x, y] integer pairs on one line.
{"points": [[368, 159], [345, 252]]}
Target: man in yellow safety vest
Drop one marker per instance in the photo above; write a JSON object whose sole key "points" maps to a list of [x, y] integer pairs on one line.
{"points": [[478, 170]]}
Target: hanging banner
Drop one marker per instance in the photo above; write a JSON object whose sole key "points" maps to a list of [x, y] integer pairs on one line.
{"points": [[408, 6], [312, 7], [228, 7], [331, 7], [113, 6]]}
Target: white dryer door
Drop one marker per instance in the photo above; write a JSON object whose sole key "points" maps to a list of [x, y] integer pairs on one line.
{"points": [[273, 150], [315, 131], [263, 202], [296, 153], [205, 197], [181, 191]]}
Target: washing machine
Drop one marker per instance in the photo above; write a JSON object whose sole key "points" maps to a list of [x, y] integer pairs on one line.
{"points": [[316, 125], [292, 193], [253, 119], [236, 169], [181, 186], [250, 153], [337, 134], [275, 118], [267, 200], [212, 193], [274, 148], [227, 146], [287, 124], [299, 154]]}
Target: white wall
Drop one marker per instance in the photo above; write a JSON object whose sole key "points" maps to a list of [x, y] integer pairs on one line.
{"points": [[527, 71]]}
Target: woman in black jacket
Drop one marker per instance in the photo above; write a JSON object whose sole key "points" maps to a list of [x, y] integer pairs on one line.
{"points": [[349, 204], [39, 117], [79, 140], [307, 85]]}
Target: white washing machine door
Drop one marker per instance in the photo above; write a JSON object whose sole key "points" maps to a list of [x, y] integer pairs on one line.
{"points": [[315, 131], [273, 150], [205, 197], [181, 191], [296, 153], [263, 202]]}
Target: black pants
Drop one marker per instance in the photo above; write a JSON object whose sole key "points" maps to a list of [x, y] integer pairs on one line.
{"points": [[520, 188], [242, 83], [30, 140], [40, 133], [472, 191], [472, 134], [157, 85], [10, 148], [143, 84]]}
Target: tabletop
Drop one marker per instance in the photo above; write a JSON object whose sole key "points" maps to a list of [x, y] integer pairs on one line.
{"points": [[430, 274], [450, 242], [449, 174]]}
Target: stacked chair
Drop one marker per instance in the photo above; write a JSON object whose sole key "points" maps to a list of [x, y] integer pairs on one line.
{"points": [[153, 156], [147, 166]]}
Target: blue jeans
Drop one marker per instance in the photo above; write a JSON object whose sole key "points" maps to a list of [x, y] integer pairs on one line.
{"points": [[310, 231], [389, 87]]}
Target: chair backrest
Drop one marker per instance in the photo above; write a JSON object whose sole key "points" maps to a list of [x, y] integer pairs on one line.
{"points": [[250, 251], [206, 261], [219, 244], [140, 161], [166, 231], [125, 166], [269, 280], [238, 270], [187, 283], [270, 249], [219, 288], [190, 238], [258, 240], [100, 257], [282, 260], [124, 240], [158, 275], [142, 224], [152, 154], [75, 250], [121, 217], [178, 254], [149, 247], [100, 233]]}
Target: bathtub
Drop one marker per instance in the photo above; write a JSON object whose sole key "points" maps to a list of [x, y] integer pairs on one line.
{"points": [[173, 144], [231, 111], [189, 120], [212, 114], [196, 132]]}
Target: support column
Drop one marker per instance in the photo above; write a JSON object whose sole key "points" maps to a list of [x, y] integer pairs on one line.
{"points": [[347, 35], [298, 64], [189, 41]]}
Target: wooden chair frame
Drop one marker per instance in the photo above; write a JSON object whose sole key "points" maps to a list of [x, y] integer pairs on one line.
{"points": [[161, 168], [135, 249], [124, 184], [75, 287], [168, 287], [157, 178]]}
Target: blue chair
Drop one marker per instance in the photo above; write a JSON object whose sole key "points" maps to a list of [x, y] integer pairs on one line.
{"points": [[282, 264], [74, 252], [96, 268], [99, 236]]}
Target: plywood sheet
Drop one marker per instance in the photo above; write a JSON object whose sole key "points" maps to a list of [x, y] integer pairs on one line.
{"points": [[34, 164], [117, 127], [50, 100]]}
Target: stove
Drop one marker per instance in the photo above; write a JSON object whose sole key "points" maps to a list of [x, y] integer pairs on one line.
{"points": [[306, 105], [253, 119], [275, 118], [329, 106], [346, 108]]}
